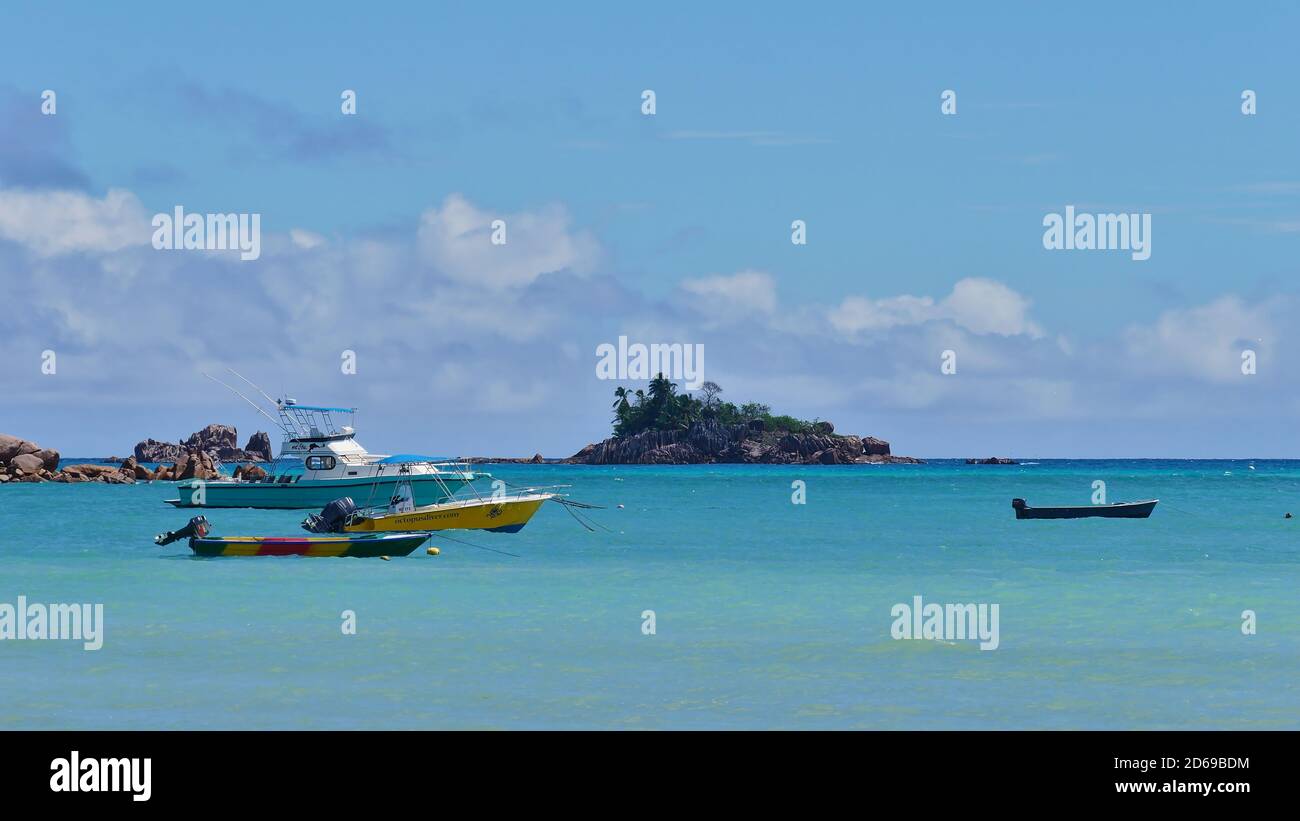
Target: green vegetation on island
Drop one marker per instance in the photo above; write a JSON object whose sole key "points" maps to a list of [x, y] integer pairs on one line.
{"points": [[662, 408]]}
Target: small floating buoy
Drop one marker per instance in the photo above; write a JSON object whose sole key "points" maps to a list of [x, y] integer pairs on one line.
{"points": [[1288, 516], [620, 507], [385, 558], [433, 551]]}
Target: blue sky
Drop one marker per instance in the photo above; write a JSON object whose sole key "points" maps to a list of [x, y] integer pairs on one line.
{"points": [[765, 114]]}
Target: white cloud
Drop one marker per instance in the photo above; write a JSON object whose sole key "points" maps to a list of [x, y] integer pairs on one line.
{"points": [[981, 306], [51, 223], [305, 239], [457, 240], [1205, 341], [858, 313], [740, 293], [984, 306]]}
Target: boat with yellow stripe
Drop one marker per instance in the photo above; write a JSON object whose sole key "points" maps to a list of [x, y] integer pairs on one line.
{"points": [[370, 545], [498, 515]]}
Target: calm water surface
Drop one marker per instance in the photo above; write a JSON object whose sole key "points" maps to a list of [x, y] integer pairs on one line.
{"points": [[768, 614]]}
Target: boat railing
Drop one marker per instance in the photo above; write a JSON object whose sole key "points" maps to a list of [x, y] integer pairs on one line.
{"points": [[468, 493]]}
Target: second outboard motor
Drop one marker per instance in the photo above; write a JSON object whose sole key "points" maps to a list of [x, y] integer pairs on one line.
{"points": [[332, 517]]}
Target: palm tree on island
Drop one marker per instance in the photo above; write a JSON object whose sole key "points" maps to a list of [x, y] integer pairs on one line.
{"points": [[663, 408]]}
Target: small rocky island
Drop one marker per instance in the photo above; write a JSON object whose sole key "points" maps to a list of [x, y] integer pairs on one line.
{"points": [[663, 427]]}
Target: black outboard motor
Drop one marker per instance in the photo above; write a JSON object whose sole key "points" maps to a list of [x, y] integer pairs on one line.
{"points": [[198, 527], [1018, 504], [332, 517]]}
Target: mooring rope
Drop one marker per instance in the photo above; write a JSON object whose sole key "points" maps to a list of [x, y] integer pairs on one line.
{"points": [[479, 546]]}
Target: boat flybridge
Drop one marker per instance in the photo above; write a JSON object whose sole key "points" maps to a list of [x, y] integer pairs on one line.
{"points": [[320, 461]]}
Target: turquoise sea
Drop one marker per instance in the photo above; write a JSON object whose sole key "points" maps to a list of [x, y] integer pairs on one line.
{"points": [[768, 614]]}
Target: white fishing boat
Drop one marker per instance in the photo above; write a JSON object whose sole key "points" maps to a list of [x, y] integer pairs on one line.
{"points": [[321, 461]]}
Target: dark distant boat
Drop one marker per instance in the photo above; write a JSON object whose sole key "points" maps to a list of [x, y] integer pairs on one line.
{"points": [[1117, 510]]}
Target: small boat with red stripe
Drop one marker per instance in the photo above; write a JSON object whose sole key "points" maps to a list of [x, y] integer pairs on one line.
{"points": [[359, 545]]}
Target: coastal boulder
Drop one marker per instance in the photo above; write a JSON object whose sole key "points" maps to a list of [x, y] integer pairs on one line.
{"points": [[807, 444], [259, 447], [195, 465], [151, 450], [586, 456], [131, 467], [11, 446], [872, 446], [181, 465], [213, 437], [743, 452], [28, 463], [219, 442], [94, 473], [49, 458], [250, 473], [830, 456]]}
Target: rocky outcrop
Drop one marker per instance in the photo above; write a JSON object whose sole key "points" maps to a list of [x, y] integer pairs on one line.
{"points": [[708, 442], [992, 460], [108, 474], [22, 460], [875, 447], [133, 468], [220, 442], [215, 438], [676, 453], [26, 461], [259, 446], [197, 465], [151, 450]]}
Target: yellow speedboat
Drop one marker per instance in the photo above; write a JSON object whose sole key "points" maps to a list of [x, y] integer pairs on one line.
{"points": [[507, 515]]}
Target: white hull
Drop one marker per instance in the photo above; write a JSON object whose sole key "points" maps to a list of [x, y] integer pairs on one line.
{"points": [[314, 493]]}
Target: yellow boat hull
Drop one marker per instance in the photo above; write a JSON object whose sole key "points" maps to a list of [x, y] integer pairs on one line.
{"points": [[506, 516]]}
